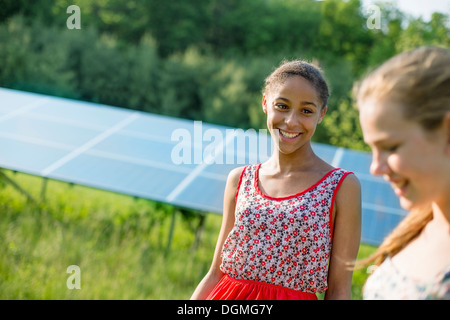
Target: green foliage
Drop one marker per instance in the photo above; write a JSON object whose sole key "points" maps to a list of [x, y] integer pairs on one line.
{"points": [[143, 81], [225, 96], [32, 61], [180, 83], [104, 69], [177, 25], [202, 59], [419, 33], [118, 242], [343, 127], [342, 31]]}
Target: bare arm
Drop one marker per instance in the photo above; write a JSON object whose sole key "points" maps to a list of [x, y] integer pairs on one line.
{"points": [[215, 274], [346, 239]]}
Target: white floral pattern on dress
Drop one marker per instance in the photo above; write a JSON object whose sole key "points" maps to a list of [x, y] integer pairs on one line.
{"points": [[388, 283], [282, 241]]}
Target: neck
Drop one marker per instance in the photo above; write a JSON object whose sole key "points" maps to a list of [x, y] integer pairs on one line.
{"points": [[441, 214], [303, 159]]}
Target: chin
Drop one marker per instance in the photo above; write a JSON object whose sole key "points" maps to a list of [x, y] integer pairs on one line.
{"points": [[413, 204], [406, 204]]}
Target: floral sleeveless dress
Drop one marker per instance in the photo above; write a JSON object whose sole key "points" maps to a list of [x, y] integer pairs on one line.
{"points": [[279, 248]]}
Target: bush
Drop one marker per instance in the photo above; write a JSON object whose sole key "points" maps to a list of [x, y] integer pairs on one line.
{"points": [[35, 58]]}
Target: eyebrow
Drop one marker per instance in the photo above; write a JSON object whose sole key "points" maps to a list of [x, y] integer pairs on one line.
{"points": [[302, 102], [383, 141]]}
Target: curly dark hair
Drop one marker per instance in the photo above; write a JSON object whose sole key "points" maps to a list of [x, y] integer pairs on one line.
{"points": [[300, 68]]}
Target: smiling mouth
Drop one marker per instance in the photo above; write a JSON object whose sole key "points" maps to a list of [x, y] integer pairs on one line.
{"points": [[289, 135], [399, 187]]}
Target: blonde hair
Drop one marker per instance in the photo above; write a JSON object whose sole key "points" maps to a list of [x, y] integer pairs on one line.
{"points": [[418, 81]]}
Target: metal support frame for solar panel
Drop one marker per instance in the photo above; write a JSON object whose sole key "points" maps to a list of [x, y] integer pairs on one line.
{"points": [[131, 152], [17, 186]]}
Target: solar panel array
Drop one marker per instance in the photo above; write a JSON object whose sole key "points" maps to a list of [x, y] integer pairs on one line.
{"points": [[177, 161]]}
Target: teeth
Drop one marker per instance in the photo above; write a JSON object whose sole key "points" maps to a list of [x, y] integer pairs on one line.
{"points": [[289, 135]]}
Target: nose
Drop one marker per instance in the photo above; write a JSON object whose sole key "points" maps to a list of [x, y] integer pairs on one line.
{"points": [[292, 119], [379, 165]]}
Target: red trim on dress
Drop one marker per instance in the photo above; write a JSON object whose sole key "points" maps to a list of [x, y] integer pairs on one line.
{"points": [[287, 197], [239, 185], [335, 191]]}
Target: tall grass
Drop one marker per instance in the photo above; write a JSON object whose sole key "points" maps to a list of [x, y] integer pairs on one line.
{"points": [[119, 243]]}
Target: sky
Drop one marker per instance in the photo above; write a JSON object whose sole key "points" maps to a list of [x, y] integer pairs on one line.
{"points": [[423, 8]]}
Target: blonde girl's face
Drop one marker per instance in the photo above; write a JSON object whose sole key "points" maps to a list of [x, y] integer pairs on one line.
{"points": [[293, 112], [415, 162]]}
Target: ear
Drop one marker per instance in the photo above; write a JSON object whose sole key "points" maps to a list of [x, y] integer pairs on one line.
{"points": [[322, 114], [264, 103]]}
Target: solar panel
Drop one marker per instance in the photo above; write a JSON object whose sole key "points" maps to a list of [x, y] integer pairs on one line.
{"points": [[162, 158]]}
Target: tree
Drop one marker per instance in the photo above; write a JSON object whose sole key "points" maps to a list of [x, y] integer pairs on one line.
{"points": [[177, 25], [385, 38], [419, 32], [343, 126], [343, 32], [33, 59]]}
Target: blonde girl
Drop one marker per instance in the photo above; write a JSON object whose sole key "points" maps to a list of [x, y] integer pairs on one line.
{"points": [[405, 117]]}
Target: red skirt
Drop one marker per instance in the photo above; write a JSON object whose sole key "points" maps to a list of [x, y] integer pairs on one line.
{"points": [[229, 288]]}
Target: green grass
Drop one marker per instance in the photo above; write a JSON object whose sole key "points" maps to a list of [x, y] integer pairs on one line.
{"points": [[118, 242]]}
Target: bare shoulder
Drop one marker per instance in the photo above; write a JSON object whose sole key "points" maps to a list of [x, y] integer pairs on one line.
{"points": [[234, 176], [232, 184], [349, 194], [351, 181], [229, 201]]}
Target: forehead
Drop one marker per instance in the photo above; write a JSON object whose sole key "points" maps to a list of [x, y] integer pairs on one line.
{"points": [[382, 120], [295, 86]]}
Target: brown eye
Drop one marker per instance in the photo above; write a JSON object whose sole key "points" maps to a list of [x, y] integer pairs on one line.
{"points": [[281, 106]]}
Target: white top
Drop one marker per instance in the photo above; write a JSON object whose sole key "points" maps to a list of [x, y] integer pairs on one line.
{"points": [[389, 283]]}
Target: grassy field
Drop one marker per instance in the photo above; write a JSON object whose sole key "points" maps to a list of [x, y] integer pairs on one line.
{"points": [[118, 242]]}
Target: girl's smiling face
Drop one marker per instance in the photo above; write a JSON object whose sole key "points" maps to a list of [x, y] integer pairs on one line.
{"points": [[413, 160], [293, 111]]}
